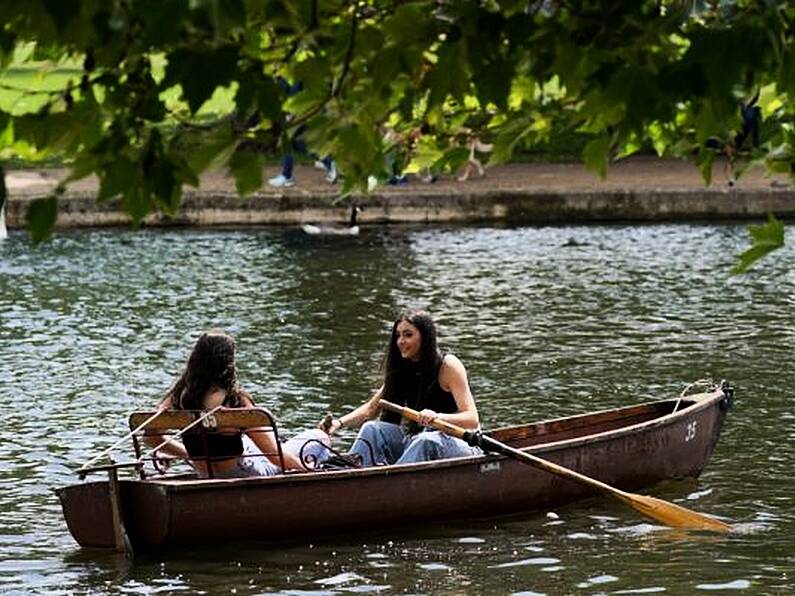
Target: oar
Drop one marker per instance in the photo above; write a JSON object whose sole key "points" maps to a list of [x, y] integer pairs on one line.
{"points": [[662, 511]]}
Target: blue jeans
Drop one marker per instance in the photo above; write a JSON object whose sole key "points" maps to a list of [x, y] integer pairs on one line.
{"points": [[391, 445], [298, 145]]}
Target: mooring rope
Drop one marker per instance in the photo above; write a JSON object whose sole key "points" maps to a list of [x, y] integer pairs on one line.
{"points": [[706, 383], [120, 441]]}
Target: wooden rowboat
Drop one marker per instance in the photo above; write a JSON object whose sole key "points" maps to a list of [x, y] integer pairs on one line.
{"points": [[630, 447]]}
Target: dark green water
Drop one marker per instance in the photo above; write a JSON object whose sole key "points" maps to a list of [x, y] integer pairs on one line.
{"points": [[96, 324]]}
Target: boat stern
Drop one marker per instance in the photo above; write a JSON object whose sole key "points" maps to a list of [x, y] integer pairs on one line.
{"points": [[88, 514], [88, 511]]}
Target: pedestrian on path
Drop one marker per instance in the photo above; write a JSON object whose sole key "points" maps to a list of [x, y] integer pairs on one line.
{"points": [[298, 145]]}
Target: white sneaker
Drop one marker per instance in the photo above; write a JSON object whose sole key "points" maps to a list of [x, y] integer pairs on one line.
{"points": [[331, 173], [319, 164], [281, 181]]}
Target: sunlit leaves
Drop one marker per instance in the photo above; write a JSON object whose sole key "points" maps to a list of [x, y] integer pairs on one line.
{"points": [[157, 91], [767, 237], [510, 134]]}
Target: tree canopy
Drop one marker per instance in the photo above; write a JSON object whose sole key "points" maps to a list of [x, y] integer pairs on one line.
{"points": [[627, 74]]}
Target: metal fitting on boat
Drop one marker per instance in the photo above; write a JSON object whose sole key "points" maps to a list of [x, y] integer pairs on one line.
{"points": [[728, 395]]}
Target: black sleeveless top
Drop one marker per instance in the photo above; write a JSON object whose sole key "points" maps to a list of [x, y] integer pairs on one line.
{"points": [[412, 390], [219, 445]]}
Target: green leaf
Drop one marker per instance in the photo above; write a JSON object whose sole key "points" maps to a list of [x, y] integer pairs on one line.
{"points": [[510, 134], [767, 237], [315, 76], [41, 217], [136, 203], [208, 149], [62, 11], [410, 23], [260, 92], [705, 159], [449, 76], [494, 82], [160, 20], [165, 185], [120, 175], [7, 41], [200, 72], [452, 160], [596, 154], [246, 167]]}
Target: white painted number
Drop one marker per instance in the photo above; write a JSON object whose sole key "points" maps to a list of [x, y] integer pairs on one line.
{"points": [[690, 433]]}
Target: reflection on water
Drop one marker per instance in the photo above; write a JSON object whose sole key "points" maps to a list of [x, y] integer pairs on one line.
{"points": [[549, 321]]}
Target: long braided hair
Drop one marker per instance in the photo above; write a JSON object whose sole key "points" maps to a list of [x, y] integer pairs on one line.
{"points": [[210, 365]]}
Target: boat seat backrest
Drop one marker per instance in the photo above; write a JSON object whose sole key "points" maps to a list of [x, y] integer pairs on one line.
{"points": [[223, 422], [175, 420]]}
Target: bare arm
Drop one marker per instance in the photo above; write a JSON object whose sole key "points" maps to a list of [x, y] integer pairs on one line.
{"points": [[265, 440], [172, 448], [367, 411], [453, 378]]}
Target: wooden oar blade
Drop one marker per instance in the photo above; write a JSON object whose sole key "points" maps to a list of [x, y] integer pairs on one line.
{"points": [[673, 515]]}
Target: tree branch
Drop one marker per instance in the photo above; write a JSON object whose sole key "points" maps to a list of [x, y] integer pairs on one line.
{"points": [[346, 66]]}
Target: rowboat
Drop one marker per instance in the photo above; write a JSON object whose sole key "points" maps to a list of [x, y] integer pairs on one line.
{"points": [[630, 447]]}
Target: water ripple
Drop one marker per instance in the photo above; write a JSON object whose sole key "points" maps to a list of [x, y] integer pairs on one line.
{"points": [[95, 324]]}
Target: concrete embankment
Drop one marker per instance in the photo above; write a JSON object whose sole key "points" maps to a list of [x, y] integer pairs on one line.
{"points": [[636, 190]]}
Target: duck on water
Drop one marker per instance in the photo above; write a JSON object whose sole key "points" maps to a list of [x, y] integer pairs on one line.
{"points": [[332, 229]]}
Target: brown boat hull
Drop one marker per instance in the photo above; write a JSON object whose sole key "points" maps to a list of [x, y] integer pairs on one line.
{"points": [[629, 448]]}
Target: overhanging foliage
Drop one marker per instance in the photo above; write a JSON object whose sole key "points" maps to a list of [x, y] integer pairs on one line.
{"points": [[627, 74]]}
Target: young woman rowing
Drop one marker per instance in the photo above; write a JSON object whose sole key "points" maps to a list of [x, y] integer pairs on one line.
{"points": [[415, 374]]}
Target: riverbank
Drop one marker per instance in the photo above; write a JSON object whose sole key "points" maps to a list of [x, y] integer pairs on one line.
{"points": [[638, 189]]}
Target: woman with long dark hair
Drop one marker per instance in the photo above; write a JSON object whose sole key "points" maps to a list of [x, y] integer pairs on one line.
{"points": [[418, 375], [208, 380]]}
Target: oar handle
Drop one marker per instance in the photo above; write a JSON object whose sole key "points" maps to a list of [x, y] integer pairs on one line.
{"points": [[442, 425]]}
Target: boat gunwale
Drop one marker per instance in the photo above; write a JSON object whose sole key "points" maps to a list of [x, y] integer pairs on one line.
{"points": [[700, 401]]}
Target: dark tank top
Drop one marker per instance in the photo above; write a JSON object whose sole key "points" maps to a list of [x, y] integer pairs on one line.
{"points": [[417, 393], [219, 445]]}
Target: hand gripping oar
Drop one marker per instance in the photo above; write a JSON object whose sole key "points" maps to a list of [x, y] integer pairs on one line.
{"points": [[662, 511]]}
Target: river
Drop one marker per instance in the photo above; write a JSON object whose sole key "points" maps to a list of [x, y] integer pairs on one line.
{"points": [[550, 321]]}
